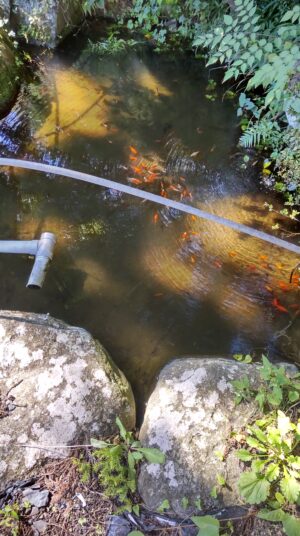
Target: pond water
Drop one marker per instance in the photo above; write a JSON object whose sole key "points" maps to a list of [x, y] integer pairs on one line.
{"points": [[150, 283]]}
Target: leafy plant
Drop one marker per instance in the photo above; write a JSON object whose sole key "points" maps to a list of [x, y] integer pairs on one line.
{"points": [[276, 388], [10, 518], [272, 446], [115, 465]]}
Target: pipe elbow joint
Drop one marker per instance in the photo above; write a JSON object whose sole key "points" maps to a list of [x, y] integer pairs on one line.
{"points": [[43, 257]]}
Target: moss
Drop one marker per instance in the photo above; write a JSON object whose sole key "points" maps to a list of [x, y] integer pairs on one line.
{"points": [[9, 72]]}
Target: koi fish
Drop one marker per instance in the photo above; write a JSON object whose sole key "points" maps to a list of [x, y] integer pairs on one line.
{"points": [[155, 217], [232, 253], [278, 306], [133, 150], [137, 170], [134, 181]]}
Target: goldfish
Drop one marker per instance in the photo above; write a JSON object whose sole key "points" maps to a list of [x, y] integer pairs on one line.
{"points": [[193, 218], [135, 181], [192, 259], [232, 253], [155, 217], [278, 306], [133, 150], [263, 257], [184, 235], [133, 158], [137, 170]]}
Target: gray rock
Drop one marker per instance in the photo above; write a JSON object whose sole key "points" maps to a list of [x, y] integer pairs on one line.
{"points": [[36, 497], [191, 415], [9, 71], [67, 391], [48, 21], [4, 8], [39, 526]]}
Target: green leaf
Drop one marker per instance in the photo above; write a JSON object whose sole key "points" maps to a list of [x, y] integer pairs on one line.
{"points": [[291, 526], [272, 471], [293, 396], [153, 455], [214, 492], [283, 423], [208, 525], [221, 480], [244, 455], [272, 515], [136, 533], [228, 20], [279, 498], [253, 487], [98, 444], [122, 429], [184, 503], [165, 505], [290, 488], [136, 509]]}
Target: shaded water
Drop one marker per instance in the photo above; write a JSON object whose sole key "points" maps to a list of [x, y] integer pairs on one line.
{"points": [[150, 283]]}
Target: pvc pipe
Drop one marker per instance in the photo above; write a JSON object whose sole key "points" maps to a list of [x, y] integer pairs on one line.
{"points": [[239, 227], [43, 257], [23, 247], [41, 249]]}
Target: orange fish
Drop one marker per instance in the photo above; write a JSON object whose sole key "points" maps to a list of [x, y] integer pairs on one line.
{"points": [[192, 259], [232, 253], [193, 218], [263, 257], [184, 235], [278, 306], [155, 217], [137, 170], [135, 181], [133, 158], [133, 150], [268, 288], [217, 264]]}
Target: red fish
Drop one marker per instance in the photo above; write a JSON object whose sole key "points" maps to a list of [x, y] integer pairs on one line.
{"points": [[133, 158], [184, 235], [278, 306], [155, 217], [217, 264]]}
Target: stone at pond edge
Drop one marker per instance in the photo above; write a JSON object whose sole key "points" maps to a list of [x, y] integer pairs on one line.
{"points": [[70, 391], [9, 72], [190, 415]]}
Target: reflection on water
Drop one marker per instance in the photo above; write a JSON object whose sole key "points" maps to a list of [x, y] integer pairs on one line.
{"points": [[148, 282]]}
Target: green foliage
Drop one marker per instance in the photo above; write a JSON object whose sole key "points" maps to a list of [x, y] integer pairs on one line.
{"points": [[276, 388], [272, 446], [115, 465], [10, 518], [112, 46], [208, 525]]}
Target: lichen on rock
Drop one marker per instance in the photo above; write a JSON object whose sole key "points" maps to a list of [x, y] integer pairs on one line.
{"points": [[66, 390], [191, 416]]}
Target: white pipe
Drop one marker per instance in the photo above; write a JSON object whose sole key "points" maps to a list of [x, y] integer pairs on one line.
{"points": [[85, 177], [41, 249]]}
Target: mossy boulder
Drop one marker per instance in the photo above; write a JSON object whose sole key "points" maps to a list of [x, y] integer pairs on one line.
{"points": [[9, 72]]}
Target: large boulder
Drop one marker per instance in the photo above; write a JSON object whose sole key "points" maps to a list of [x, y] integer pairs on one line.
{"points": [[65, 390], [46, 22], [190, 416], [9, 72]]}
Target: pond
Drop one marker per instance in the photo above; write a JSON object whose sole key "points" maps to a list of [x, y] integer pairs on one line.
{"points": [[148, 282]]}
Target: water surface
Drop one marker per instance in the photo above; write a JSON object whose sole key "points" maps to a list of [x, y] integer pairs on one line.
{"points": [[150, 283]]}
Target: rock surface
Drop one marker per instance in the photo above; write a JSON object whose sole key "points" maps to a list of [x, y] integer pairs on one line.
{"points": [[9, 70], [46, 21], [65, 390], [189, 416], [4, 8]]}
